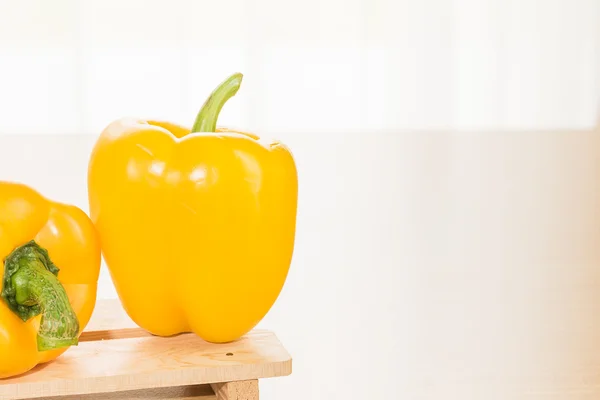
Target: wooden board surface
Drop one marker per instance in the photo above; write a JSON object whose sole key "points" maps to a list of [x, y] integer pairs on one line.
{"points": [[115, 355]]}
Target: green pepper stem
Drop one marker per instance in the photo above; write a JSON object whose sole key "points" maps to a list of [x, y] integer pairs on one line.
{"points": [[30, 287], [206, 121]]}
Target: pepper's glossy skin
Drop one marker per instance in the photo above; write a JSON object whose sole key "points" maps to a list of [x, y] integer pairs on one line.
{"points": [[68, 235], [197, 229]]}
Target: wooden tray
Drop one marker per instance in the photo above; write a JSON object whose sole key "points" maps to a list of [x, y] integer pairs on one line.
{"points": [[115, 359]]}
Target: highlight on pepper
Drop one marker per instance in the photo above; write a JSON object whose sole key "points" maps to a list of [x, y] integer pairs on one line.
{"points": [[197, 223]]}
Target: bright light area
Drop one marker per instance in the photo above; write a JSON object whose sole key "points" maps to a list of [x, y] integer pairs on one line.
{"points": [[72, 66]]}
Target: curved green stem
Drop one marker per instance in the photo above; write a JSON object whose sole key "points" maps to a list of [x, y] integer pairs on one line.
{"points": [[30, 288], [206, 121]]}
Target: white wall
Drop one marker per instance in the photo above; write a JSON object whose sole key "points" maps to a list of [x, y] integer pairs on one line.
{"points": [[311, 67]]}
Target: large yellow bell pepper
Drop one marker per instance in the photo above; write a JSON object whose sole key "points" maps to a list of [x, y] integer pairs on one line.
{"points": [[197, 227], [51, 255]]}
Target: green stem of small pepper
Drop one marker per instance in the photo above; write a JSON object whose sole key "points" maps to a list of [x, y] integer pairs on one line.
{"points": [[206, 121], [30, 288]]}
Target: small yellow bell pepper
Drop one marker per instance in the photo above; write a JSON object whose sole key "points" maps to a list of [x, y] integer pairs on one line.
{"points": [[197, 226], [51, 255]]}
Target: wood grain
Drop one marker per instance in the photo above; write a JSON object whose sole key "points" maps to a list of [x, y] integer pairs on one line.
{"points": [[241, 390], [127, 333], [195, 392], [115, 361]]}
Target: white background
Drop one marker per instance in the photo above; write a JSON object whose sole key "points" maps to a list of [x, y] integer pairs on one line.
{"points": [[443, 148]]}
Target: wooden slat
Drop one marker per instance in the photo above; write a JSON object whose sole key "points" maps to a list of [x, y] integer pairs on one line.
{"points": [[128, 333], [132, 363], [196, 392]]}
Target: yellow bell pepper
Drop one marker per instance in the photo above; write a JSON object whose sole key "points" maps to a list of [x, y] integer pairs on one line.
{"points": [[197, 226], [51, 255]]}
